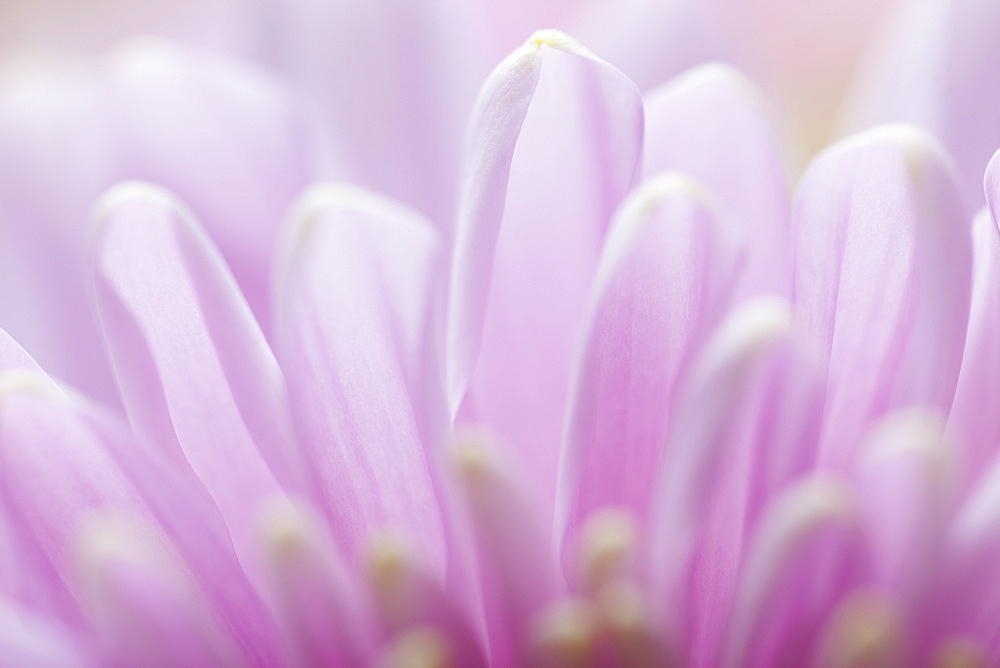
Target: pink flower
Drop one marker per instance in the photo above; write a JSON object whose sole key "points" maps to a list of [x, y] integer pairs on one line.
{"points": [[634, 407]]}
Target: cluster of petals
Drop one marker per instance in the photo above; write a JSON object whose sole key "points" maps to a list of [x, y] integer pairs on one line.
{"points": [[637, 405]]}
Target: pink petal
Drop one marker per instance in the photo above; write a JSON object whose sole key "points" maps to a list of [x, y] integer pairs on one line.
{"points": [[665, 279], [907, 484], [514, 559], [142, 601], [409, 596], [977, 428], [713, 124], [525, 256], [394, 80], [933, 68], [33, 641], [806, 555], [651, 40], [882, 278], [326, 620], [196, 375], [743, 428], [64, 462], [53, 136], [13, 356], [359, 314], [225, 138]]}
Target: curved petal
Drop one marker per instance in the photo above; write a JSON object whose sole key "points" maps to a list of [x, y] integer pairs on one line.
{"points": [[226, 139], [651, 40], [907, 484], [932, 68], [326, 619], [394, 81], [744, 427], [882, 278], [806, 555], [515, 563], [27, 639], [531, 225], [144, 603], [713, 124], [53, 136], [977, 428], [666, 277], [359, 321], [65, 462], [196, 375]]}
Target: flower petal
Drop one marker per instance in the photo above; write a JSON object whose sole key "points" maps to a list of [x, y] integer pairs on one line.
{"points": [[53, 136], [907, 484], [978, 430], [196, 375], [807, 553], [525, 255], [882, 278], [514, 559], [224, 137], [64, 461], [931, 68], [712, 123], [326, 620], [359, 318], [28, 639], [744, 427], [394, 80], [666, 277]]}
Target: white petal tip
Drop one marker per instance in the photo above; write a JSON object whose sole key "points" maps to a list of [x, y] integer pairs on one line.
{"points": [[129, 192], [26, 381]]}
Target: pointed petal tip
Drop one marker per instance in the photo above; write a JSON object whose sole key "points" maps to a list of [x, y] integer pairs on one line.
{"points": [[554, 38]]}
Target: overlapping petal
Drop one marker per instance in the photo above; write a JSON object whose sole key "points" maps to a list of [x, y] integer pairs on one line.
{"points": [[882, 278], [359, 294], [668, 271], [554, 145]]}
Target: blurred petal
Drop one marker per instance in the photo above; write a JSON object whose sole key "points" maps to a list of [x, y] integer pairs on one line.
{"points": [[359, 318], [713, 124], [326, 620], [65, 462], [969, 587], [933, 68], [514, 557], [806, 554], [977, 428], [744, 427], [882, 278], [143, 601], [525, 256], [906, 481], [650, 40], [395, 80], [665, 279], [196, 375], [226, 139], [33, 641], [409, 596], [53, 136]]}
